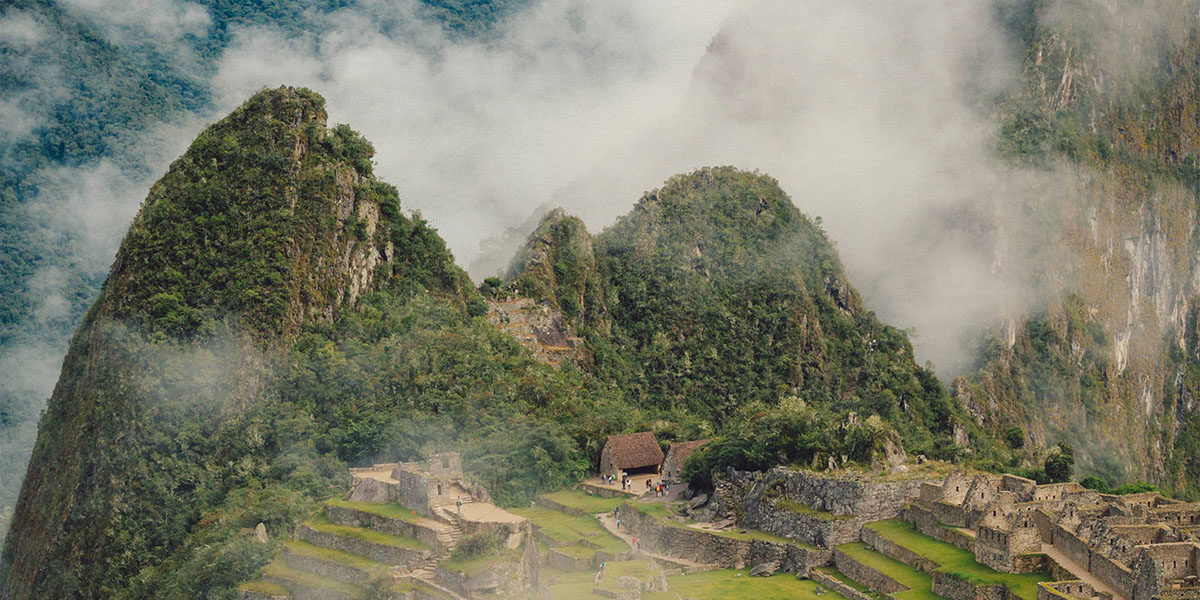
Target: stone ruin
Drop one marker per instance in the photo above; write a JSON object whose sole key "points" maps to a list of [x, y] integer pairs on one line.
{"points": [[1134, 547]]}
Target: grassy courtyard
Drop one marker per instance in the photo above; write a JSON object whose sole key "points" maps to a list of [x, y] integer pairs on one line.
{"points": [[565, 528], [954, 560]]}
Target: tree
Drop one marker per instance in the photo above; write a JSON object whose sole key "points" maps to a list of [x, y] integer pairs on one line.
{"points": [[1015, 436], [1058, 466]]}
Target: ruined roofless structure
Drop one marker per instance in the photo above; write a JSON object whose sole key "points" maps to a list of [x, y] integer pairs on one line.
{"points": [[630, 452], [677, 455], [422, 487]]}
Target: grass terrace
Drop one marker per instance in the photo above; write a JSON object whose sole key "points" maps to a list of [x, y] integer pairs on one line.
{"points": [[584, 501], [391, 511], [562, 527], [842, 577], [322, 524], [375, 569], [278, 570], [956, 561], [920, 585], [265, 588]]}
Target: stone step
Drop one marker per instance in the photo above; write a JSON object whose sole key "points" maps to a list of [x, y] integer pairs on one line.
{"points": [[330, 564], [303, 585]]}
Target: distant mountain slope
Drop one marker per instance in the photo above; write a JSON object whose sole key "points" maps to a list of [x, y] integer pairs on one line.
{"points": [[1110, 365]]}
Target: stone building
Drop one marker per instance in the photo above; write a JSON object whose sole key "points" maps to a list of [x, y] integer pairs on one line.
{"points": [[421, 487], [677, 455], [630, 453]]}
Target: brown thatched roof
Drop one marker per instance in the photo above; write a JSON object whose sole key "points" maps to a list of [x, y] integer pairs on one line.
{"points": [[634, 450], [682, 450]]}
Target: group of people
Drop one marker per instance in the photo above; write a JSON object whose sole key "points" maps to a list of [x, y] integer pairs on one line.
{"points": [[660, 489]]}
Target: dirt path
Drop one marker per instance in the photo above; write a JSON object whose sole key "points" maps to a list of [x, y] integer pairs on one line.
{"points": [[1079, 571], [610, 523]]}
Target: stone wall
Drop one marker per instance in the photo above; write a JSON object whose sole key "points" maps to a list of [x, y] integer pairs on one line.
{"points": [[1021, 488], [848, 494], [710, 548], [326, 569], [412, 490], [391, 555], [951, 587], [866, 576], [925, 522], [1030, 563], [837, 586], [897, 552], [1112, 573], [1073, 547], [1178, 558], [354, 518], [814, 530], [950, 514]]}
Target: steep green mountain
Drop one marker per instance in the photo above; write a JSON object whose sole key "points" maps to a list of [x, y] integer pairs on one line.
{"points": [[273, 316], [268, 222], [716, 298], [91, 90], [1110, 364]]}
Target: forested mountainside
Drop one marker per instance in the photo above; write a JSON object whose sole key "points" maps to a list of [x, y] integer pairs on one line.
{"points": [[1110, 365], [272, 316], [89, 95]]}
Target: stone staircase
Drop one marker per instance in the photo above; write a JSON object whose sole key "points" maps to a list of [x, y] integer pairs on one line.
{"points": [[448, 535]]}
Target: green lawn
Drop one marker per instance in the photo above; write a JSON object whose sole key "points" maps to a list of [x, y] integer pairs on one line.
{"points": [[665, 515], [565, 528], [392, 511], [279, 570], [320, 523], [584, 501], [920, 585], [724, 584], [954, 560]]}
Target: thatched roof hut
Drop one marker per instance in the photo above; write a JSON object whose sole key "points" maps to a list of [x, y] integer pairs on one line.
{"points": [[677, 454], [630, 451]]}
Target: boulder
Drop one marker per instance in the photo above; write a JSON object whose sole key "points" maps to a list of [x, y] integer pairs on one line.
{"points": [[368, 490], [766, 569], [260, 533]]}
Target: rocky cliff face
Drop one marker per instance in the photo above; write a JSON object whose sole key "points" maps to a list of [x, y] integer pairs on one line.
{"points": [[1109, 365], [269, 221]]}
